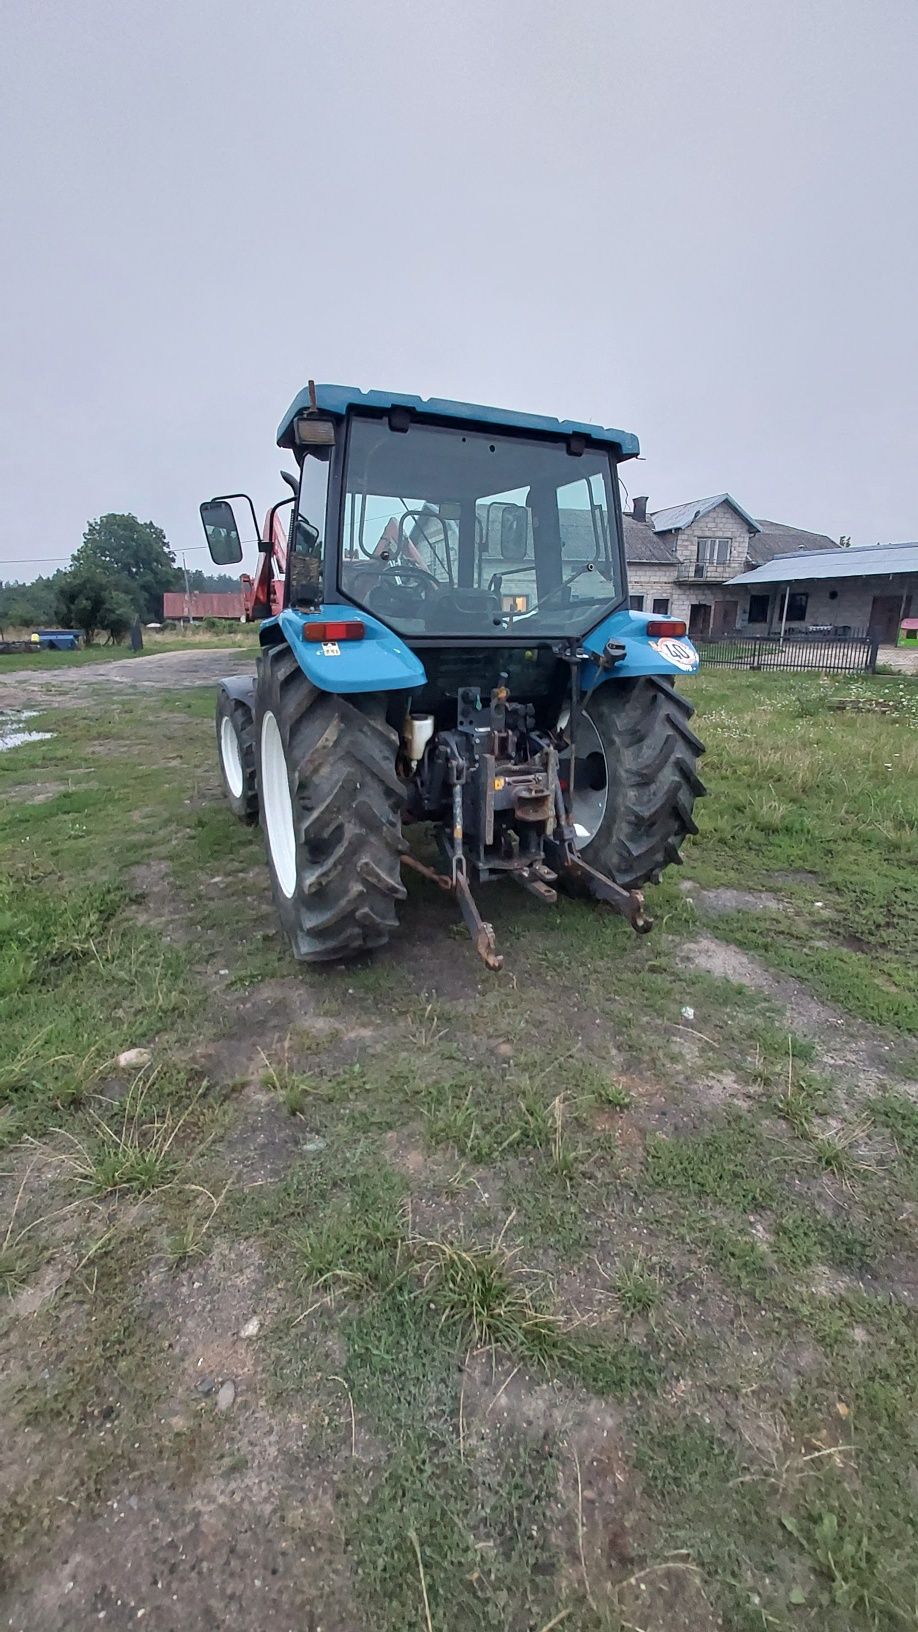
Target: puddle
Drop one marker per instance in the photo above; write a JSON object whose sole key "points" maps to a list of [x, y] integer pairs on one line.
{"points": [[11, 733]]}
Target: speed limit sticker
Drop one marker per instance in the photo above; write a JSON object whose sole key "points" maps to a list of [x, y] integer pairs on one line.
{"points": [[678, 652]]}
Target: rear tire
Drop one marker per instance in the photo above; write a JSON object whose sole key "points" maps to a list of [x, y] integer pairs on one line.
{"points": [[331, 806], [236, 752], [652, 781]]}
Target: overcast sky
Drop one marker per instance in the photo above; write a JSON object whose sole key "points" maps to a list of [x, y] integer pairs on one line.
{"points": [[692, 218]]}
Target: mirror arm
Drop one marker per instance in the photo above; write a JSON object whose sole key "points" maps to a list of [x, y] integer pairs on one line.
{"points": [[226, 498]]}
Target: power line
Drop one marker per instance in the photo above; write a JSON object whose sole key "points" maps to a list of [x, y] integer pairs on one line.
{"points": [[48, 560]]}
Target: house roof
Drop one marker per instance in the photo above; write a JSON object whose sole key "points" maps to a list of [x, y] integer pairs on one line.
{"points": [[682, 515], [643, 548], [872, 561], [337, 399], [776, 538]]}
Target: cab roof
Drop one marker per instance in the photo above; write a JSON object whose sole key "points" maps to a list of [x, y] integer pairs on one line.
{"points": [[337, 399]]}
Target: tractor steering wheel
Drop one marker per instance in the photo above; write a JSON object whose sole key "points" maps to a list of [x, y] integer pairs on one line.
{"points": [[392, 598]]}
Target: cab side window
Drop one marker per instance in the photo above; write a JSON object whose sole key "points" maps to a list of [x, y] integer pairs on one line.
{"points": [[307, 542]]}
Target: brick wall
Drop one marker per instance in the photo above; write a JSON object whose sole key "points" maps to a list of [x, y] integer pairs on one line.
{"points": [[721, 522], [653, 580], [851, 607]]}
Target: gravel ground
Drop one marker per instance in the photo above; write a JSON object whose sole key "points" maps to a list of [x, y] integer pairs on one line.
{"points": [[161, 671]]}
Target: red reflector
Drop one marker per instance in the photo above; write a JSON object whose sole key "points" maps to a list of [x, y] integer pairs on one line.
{"points": [[352, 630], [666, 626]]}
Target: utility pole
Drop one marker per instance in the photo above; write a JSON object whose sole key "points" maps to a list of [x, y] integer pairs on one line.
{"points": [[187, 590]]}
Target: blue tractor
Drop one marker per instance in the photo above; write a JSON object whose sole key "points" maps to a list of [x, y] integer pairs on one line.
{"points": [[450, 643]]}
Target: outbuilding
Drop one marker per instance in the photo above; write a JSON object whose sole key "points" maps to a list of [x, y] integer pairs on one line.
{"points": [[835, 592]]}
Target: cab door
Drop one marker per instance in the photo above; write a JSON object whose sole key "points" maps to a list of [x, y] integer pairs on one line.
{"points": [[306, 551]]}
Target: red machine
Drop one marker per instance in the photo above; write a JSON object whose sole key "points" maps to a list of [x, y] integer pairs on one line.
{"points": [[263, 595]]}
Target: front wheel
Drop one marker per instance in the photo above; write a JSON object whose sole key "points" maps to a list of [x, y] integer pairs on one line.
{"points": [[636, 779], [331, 805], [236, 748]]}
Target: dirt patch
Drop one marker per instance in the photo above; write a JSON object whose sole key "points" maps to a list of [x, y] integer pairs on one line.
{"points": [[236, 1525], [160, 671], [600, 1527], [266, 1139], [40, 793], [161, 907], [724, 899], [203, 1311], [865, 1061], [196, 1559]]}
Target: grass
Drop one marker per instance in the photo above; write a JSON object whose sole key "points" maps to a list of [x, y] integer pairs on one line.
{"points": [[293, 1087], [492, 1308], [817, 802], [131, 1147], [639, 1288], [730, 1165], [530, 1253]]}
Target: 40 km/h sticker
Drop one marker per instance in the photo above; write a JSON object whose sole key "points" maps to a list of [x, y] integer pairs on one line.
{"points": [[678, 652]]}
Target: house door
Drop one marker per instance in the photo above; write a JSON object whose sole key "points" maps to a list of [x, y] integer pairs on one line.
{"points": [[725, 617], [699, 620], [884, 618]]}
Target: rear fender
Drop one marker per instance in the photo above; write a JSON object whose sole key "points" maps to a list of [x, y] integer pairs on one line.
{"points": [[378, 662], [643, 654], [241, 687]]}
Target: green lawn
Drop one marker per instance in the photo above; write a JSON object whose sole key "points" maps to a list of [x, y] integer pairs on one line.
{"points": [[584, 1292]]}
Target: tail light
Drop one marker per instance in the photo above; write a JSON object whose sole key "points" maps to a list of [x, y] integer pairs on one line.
{"points": [[353, 629], [666, 626]]}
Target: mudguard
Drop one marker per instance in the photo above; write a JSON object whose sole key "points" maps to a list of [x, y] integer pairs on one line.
{"points": [[378, 662], [644, 654], [241, 687]]}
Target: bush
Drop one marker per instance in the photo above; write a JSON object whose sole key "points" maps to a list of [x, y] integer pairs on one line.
{"points": [[86, 600]]}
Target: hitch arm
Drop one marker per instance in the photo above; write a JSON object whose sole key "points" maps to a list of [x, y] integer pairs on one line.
{"points": [[562, 854], [482, 933]]}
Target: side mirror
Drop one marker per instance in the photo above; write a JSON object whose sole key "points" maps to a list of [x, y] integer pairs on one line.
{"points": [[221, 532], [514, 532]]}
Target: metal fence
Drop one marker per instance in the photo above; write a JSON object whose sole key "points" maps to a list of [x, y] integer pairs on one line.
{"points": [[827, 654]]}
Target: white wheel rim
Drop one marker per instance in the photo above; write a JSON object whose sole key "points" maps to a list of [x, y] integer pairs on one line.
{"points": [[277, 805], [591, 779], [232, 758]]}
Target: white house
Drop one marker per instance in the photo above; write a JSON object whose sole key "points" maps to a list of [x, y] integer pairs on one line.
{"points": [[681, 561]]}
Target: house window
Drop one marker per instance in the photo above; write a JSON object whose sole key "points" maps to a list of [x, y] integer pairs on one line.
{"points": [[636, 603], [714, 550], [796, 607], [758, 608], [661, 604]]}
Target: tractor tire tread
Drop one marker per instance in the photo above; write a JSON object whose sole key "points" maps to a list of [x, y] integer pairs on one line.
{"points": [[652, 755], [347, 805]]}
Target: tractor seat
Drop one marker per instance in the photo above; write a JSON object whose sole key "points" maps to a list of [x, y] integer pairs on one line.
{"points": [[459, 610]]}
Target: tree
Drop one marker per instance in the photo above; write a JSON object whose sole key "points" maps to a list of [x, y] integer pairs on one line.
{"points": [[136, 559], [213, 583], [25, 606], [88, 600]]}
